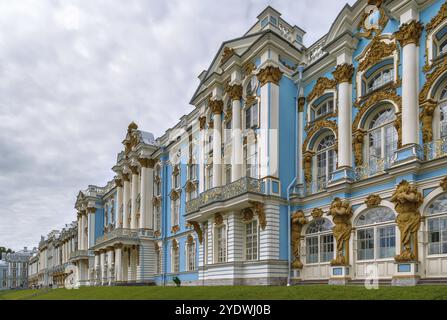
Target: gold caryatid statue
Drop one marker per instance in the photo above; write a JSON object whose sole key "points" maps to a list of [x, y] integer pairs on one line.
{"points": [[407, 200], [298, 221], [341, 212]]}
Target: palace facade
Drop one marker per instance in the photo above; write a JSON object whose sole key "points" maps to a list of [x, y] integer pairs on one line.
{"points": [[297, 164]]}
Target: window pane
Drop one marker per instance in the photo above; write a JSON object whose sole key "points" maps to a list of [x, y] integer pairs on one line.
{"points": [[312, 250], [327, 248], [365, 244], [387, 242], [438, 205]]}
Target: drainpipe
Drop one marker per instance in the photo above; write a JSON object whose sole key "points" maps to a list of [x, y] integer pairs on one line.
{"points": [[293, 183], [163, 220]]}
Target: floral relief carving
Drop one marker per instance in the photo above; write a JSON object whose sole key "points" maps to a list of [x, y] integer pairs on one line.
{"points": [[373, 200], [317, 213], [198, 230], [298, 221], [320, 87], [377, 51], [426, 117], [407, 200], [431, 79], [235, 92], [307, 164], [269, 74], [258, 209], [227, 54], [218, 219], [440, 17], [370, 30], [343, 73], [409, 33], [249, 67]]}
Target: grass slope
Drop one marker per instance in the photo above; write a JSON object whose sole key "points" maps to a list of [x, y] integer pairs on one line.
{"points": [[308, 292]]}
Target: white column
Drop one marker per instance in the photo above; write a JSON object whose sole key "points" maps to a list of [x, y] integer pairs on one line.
{"points": [[217, 106], [91, 227], [119, 202], [79, 230], [118, 263], [126, 198], [83, 233], [103, 263], [343, 76], [236, 146], [133, 220], [408, 36], [97, 267], [147, 184], [202, 173]]}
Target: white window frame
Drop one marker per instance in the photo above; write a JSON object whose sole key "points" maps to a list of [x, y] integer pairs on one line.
{"points": [[221, 244], [175, 259], [379, 78], [326, 152], [191, 261], [175, 212], [254, 254], [319, 235]]}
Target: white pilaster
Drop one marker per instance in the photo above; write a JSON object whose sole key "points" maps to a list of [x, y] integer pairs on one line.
{"points": [[133, 220], [217, 144], [236, 146], [126, 198]]}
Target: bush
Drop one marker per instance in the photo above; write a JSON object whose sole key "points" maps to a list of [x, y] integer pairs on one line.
{"points": [[177, 281]]}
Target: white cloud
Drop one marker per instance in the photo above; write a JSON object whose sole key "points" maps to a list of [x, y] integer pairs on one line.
{"points": [[73, 74]]}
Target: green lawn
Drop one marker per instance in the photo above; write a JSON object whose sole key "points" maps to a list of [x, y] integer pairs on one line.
{"points": [[232, 293]]}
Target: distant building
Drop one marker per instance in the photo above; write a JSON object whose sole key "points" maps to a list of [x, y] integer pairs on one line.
{"points": [[14, 269]]}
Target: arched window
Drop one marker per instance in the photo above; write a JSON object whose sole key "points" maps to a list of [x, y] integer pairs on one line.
{"points": [[443, 113], [323, 107], [326, 159], [443, 47], [437, 225], [252, 87], [382, 139], [380, 78], [376, 234], [319, 241]]}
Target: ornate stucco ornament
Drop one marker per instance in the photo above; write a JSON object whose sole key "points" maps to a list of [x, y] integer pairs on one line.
{"points": [[317, 213], [443, 183], [250, 100], [228, 115], [175, 194], [398, 125], [426, 117], [216, 106], [438, 19], [379, 96], [298, 221], [269, 74], [373, 200], [218, 219], [235, 92], [301, 103], [147, 163], [249, 67], [198, 230], [175, 229], [373, 20], [377, 51], [357, 144], [119, 183], [202, 122], [247, 215], [320, 87], [176, 170], [132, 138], [407, 200], [174, 243], [227, 54], [257, 208], [341, 212], [316, 126], [343, 73], [409, 33], [431, 79], [307, 164], [190, 186]]}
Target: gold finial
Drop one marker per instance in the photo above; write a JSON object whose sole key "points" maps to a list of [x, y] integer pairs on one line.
{"points": [[132, 126]]}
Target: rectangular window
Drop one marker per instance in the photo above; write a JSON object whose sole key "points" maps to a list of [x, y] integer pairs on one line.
{"points": [[251, 156], [175, 212], [252, 117], [387, 242], [312, 250], [365, 242], [228, 132], [175, 260], [437, 236], [326, 248], [157, 218], [177, 181], [228, 173], [209, 177], [221, 244], [191, 252], [251, 240], [192, 172]]}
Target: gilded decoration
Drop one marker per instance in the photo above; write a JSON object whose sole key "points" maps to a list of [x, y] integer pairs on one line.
{"points": [[269, 74], [318, 125], [249, 67], [227, 54], [147, 163], [343, 73], [438, 19], [216, 106], [175, 194], [157, 233], [228, 115], [174, 243], [202, 122], [317, 213], [370, 29], [258, 209], [307, 164], [443, 183], [190, 186], [298, 221], [373, 200], [198, 230], [377, 51], [132, 138], [250, 100], [119, 183], [431, 79], [235, 92], [176, 170], [301, 103], [398, 126], [357, 143], [134, 170], [341, 212], [247, 215], [175, 229], [409, 33], [320, 87], [407, 200], [218, 219], [190, 239], [426, 117]]}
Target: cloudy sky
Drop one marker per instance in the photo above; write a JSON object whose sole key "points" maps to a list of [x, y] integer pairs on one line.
{"points": [[74, 74]]}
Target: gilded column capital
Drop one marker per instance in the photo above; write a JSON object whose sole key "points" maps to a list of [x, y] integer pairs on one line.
{"points": [[216, 106], [147, 163], [134, 169], [91, 210], [126, 177], [409, 33], [269, 74], [202, 122], [344, 73], [235, 92], [119, 182]]}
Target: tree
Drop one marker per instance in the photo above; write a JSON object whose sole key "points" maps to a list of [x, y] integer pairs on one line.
{"points": [[5, 250]]}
